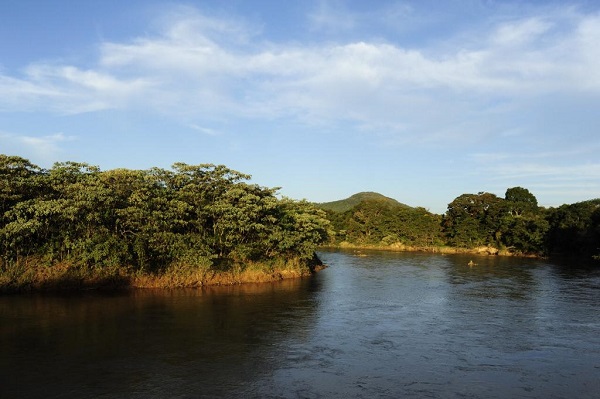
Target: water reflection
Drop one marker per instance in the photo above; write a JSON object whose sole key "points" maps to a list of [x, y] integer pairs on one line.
{"points": [[148, 343], [376, 325]]}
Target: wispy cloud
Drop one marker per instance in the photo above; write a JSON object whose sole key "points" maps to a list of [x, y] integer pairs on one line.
{"points": [[46, 148], [66, 89], [556, 177], [204, 130], [520, 33], [586, 171], [204, 67]]}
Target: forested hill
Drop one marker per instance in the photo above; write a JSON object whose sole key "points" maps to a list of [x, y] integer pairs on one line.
{"points": [[350, 202], [514, 224]]}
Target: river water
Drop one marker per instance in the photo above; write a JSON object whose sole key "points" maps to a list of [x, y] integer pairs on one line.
{"points": [[374, 324]]}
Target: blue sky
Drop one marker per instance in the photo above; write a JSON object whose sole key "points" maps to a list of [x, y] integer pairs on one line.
{"points": [[421, 101]]}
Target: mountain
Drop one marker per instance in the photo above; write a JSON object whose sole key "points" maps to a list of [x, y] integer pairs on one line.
{"points": [[350, 202]]}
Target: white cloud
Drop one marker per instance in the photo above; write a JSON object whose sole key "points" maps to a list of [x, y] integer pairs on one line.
{"points": [[67, 89], [520, 33], [45, 148], [23, 94], [202, 67]]}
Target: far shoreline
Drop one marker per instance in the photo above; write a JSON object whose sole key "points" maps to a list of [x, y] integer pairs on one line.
{"points": [[443, 249]]}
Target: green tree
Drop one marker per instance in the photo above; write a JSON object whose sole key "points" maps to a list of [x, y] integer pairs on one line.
{"points": [[525, 234], [241, 218], [376, 221], [423, 227], [19, 181], [300, 228], [473, 220], [369, 221], [575, 229], [520, 201], [524, 226]]}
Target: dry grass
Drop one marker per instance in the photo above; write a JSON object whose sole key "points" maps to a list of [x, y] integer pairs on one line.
{"points": [[35, 275], [179, 276]]}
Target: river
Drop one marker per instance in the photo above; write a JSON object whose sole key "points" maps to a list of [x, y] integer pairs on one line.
{"points": [[373, 324]]}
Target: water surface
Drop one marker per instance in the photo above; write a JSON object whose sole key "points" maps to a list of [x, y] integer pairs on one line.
{"points": [[381, 325]]}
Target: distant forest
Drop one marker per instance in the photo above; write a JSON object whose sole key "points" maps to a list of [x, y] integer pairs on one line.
{"points": [[514, 224]]}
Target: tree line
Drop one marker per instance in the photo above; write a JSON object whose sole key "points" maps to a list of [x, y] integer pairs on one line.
{"points": [[197, 215], [514, 224], [210, 217]]}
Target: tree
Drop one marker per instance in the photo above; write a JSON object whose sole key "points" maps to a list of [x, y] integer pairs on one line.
{"points": [[18, 181], [21, 182], [524, 227], [473, 219], [525, 234], [520, 201], [241, 218], [148, 220], [379, 221], [299, 229], [369, 221], [575, 229]]}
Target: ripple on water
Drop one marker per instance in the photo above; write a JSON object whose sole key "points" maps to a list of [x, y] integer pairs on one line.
{"points": [[389, 325]]}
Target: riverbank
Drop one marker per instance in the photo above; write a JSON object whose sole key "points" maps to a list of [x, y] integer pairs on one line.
{"points": [[442, 249], [32, 275]]}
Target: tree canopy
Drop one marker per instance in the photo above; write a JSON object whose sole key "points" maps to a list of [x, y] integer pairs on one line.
{"points": [[514, 224], [149, 219], [211, 217]]}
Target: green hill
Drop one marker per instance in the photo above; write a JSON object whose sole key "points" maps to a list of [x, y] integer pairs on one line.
{"points": [[350, 202]]}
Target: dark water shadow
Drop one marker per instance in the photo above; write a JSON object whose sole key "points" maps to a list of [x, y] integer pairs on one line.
{"points": [[148, 343]]}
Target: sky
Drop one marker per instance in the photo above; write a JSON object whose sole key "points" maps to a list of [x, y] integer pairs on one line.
{"points": [[421, 101]]}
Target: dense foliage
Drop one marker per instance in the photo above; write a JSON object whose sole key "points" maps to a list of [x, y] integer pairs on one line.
{"points": [[354, 200], [575, 229], [513, 224], [195, 215], [209, 217], [376, 221]]}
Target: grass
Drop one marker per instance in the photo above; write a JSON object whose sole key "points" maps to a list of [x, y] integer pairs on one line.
{"points": [[35, 275]]}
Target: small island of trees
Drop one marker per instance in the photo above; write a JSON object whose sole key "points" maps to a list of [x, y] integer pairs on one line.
{"points": [[77, 226]]}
